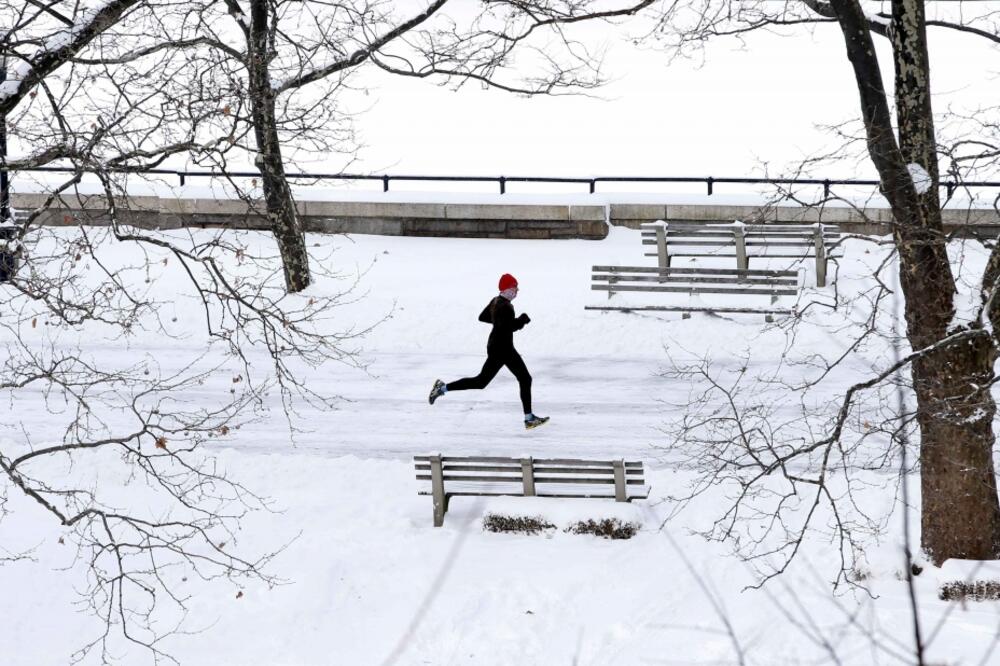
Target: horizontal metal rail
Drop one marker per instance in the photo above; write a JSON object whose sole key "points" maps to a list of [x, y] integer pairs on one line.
{"points": [[709, 181]]}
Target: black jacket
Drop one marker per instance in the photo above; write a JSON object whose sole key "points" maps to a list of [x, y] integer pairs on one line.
{"points": [[500, 313]]}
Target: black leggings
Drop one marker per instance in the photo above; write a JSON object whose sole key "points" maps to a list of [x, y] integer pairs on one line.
{"points": [[495, 361]]}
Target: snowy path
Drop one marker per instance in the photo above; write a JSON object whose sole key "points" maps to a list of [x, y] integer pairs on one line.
{"points": [[593, 412]]}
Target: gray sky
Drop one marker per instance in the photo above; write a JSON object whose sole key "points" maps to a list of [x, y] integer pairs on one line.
{"points": [[722, 117]]}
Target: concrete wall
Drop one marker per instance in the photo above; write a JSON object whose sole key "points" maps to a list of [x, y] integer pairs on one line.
{"points": [[866, 221], [383, 218], [467, 220]]}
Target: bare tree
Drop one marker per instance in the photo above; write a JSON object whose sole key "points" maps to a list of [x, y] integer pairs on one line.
{"points": [[120, 459], [953, 352], [295, 59]]}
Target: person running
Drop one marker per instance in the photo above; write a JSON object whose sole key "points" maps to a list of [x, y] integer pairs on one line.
{"points": [[500, 352]]}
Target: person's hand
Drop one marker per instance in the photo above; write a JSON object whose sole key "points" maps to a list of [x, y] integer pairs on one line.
{"points": [[524, 318]]}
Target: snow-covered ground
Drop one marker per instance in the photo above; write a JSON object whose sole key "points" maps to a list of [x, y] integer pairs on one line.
{"points": [[370, 581]]}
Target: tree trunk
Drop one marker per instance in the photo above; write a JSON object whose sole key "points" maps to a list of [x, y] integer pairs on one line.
{"points": [[281, 213], [960, 512]]}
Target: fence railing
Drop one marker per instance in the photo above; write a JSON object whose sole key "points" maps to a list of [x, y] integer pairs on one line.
{"points": [[708, 181]]}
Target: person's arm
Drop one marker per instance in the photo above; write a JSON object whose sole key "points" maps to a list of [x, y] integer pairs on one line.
{"points": [[486, 316], [504, 319]]}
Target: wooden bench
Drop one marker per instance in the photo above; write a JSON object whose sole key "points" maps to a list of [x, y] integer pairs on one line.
{"points": [[694, 282], [743, 242], [475, 476]]}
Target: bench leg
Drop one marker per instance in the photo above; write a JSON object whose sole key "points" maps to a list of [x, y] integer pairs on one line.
{"points": [[619, 470], [437, 491], [820, 246], [661, 247]]}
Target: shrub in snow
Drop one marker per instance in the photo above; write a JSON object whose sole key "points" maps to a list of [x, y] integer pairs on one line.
{"points": [[495, 522], [980, 590], [609, 528]]}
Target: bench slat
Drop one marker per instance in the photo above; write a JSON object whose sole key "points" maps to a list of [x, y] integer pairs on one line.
{"points": [[425, 467], [512, 479], [619, 277], [810, 245], [633, 493], [692, 224], [453, 467], [538, 461], [679, 308], [716, 231], [696, 290], [719, 255], [696, 271]]}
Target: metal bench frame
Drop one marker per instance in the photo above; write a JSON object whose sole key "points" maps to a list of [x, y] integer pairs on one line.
{"points": [[472, 471], [775, 241]]}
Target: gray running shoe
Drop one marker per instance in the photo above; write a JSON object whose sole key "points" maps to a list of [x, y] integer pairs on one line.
{"points": [[437, 391], [535, 421]]}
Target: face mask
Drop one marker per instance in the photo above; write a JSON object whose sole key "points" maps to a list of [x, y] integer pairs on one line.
{"points": [[509, 294]]}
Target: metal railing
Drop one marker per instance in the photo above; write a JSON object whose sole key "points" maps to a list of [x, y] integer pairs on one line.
{"points": [[708, 181]]}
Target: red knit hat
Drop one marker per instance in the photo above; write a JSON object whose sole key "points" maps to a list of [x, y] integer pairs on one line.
{"points": [[507, 281]]}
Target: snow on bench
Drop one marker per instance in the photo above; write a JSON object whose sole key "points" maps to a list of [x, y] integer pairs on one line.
{"points": [[451, 476], [743, 242], [742, 285]]}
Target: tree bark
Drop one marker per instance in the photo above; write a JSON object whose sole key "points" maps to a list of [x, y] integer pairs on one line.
{"points": [[960, 512], [281, 212]]}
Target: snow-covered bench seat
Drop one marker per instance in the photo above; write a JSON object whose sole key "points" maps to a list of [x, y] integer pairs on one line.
{"points": [[744, 242], [740, 287], [451, 476]]}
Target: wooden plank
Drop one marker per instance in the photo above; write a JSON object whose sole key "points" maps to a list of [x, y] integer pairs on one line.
{"points": [[452, 467], [690, 225], [618, 278], [717, 255], [485, 479], [583, 470], [622, 276], [679, 308], [594, 480], [750, 242], [578, 480], [634, 493], [728, 233], [695, 290], [538, 461], [696, 271], [484, 459]]}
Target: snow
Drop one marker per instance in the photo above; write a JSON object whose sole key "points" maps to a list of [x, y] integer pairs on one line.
{"points": [[370, 581], [55, 42], [921, 179]]}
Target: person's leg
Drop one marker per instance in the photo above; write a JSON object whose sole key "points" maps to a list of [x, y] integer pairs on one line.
{"points": [[515, 364], [490, 369]]}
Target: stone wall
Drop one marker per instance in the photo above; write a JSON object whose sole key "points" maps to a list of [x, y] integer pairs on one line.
{"points": [[469, 220], [383, 218]]}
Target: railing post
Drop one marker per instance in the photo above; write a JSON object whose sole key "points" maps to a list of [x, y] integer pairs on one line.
{"points": [[619, 468], [742, 262], [949, 188], [528, 476], [385, 183], [503, 185], [437, 490], [710, 182], [180, 175], [820, 243], [826, 189], [593, 185]]}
